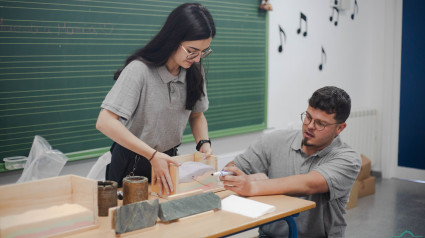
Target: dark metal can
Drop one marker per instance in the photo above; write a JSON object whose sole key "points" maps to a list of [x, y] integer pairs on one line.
{"points": [[106, 196]]}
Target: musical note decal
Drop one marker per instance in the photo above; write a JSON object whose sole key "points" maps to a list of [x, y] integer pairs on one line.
{"points": [[323, 58], [303, 17], [331, 18], [284, 39], [356, 9]]}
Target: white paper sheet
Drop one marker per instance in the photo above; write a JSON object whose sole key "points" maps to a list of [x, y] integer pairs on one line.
{"points": [[246, 207]]}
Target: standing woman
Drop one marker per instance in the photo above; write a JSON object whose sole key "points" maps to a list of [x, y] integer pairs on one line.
{"points": [[160, 88]]}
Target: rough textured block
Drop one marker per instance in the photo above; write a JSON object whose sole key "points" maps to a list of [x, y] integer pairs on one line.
{"points": [[136, 216], [192, 205]]}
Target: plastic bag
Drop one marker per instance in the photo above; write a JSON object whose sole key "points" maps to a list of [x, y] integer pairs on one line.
{"points": [[97, 172], [190, 169], [43, 161], [39, 146]]}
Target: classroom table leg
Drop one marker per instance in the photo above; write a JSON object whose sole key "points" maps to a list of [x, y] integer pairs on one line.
{"points": [[292, 225]]}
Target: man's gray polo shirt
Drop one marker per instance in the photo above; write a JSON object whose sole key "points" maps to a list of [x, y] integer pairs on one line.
{"points": [[151, 103], [279, 154]]}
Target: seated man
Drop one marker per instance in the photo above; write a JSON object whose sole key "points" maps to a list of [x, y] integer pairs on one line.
{"points": [[313, 163]]}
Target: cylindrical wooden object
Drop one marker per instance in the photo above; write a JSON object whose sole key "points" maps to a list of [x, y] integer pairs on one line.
{"points": [[135, 189], [106, 196]]}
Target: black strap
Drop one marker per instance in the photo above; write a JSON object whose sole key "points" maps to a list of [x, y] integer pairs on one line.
{"points": [[201, 142]]}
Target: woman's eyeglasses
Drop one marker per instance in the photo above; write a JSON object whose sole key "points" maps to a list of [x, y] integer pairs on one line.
{"points": [[192, 55]]}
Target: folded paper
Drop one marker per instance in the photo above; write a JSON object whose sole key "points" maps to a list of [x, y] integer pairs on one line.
{"points": [[246, 207]]}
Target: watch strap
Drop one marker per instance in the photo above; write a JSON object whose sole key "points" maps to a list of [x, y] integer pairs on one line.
{"points": [[201, 142]]}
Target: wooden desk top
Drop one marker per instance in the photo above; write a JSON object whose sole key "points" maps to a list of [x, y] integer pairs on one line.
{"points": [[210, 224]]}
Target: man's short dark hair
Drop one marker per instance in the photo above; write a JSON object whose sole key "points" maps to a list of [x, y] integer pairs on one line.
{"points": [[332, 100]]}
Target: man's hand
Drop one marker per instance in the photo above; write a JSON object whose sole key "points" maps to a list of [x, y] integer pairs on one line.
{"points": [[239, 183]]}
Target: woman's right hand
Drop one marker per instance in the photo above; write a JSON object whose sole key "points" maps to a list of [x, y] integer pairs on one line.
{"points": [[162, 176]]}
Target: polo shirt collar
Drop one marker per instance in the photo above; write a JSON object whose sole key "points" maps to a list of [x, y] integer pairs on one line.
{"points": [[167, 77], [296, 145]]}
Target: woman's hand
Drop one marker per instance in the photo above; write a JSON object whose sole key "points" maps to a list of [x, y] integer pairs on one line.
{"points": [[162, 176], [206, 149], [239, 183]]}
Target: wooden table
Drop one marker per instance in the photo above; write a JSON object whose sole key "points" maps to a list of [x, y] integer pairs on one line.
{"points": [[210, 224]]}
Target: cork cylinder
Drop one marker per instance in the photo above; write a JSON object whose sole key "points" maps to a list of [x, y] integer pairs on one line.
{"points": [[106, 196], [135, 189]]}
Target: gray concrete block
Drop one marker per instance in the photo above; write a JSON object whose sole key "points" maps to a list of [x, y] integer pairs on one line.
{"points": [[136, 216], [188, 206]]}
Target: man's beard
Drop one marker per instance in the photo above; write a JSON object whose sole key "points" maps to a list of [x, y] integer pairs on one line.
{"points": [[305, 142]]}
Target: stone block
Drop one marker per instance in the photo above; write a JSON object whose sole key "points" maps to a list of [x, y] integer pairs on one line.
{"points": [[136, 216], [188, 206]]}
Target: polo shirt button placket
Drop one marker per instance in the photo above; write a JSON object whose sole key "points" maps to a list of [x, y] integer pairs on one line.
{"points": [[171, 90]]}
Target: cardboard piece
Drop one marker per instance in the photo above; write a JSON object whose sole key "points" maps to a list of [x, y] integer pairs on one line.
{"points": [[354, 194], [70, 199], [205, 182], [365, 169], [367, 186]]}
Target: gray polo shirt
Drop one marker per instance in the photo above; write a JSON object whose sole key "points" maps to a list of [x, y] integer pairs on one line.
{"points": [[151, 104], [279, 154]]}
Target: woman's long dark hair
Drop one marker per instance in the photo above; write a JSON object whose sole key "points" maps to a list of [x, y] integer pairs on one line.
{"points": [[188, 22]]}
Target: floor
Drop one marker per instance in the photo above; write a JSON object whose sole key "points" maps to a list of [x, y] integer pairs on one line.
{"points": [[397, 209]]}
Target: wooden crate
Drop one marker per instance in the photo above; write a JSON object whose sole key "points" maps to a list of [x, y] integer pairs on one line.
{"points": [[191, 187], [61, 205]]}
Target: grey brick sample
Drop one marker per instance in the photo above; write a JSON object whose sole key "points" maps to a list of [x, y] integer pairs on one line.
{"points": [[188, 206]]}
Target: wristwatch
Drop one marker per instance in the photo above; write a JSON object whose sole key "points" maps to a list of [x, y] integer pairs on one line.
{"points": [[201, 142]]}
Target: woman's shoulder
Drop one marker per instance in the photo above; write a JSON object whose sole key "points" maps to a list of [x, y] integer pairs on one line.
{"points": [[138, 65], [136, 70]]}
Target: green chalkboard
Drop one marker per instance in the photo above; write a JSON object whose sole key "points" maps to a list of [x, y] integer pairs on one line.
{"points": [[58, 57]]}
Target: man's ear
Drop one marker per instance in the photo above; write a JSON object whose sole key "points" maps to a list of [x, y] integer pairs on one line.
{"points": [[340, 128]]}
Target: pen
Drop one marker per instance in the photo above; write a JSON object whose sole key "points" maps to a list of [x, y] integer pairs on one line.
{"points": [[222, 173]]}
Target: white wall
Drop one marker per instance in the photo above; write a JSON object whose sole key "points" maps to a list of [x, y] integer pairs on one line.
{"points": [[354, 52], [363, 57]]}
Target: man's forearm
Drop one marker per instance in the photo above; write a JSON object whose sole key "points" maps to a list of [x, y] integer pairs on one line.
{"points": [[300, 185]]}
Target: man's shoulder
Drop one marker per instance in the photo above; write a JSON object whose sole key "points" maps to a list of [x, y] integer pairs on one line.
{"points": [[280, 136], [286, 133], [346, 152]]}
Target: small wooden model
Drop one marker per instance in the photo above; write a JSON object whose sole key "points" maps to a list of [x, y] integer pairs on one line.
{"points": [[203, 183], [48, 207]]}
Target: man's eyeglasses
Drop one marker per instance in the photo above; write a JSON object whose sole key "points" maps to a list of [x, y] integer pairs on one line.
{"points": [[318, 124], [192, 55]]}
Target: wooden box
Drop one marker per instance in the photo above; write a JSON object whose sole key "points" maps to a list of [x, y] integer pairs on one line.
{"points": [[48, 207], [365, 169], [354, 195], [203, 183], [367, 186]]}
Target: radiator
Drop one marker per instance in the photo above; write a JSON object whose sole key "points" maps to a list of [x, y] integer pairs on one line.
{"points": [[361, 133]]}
